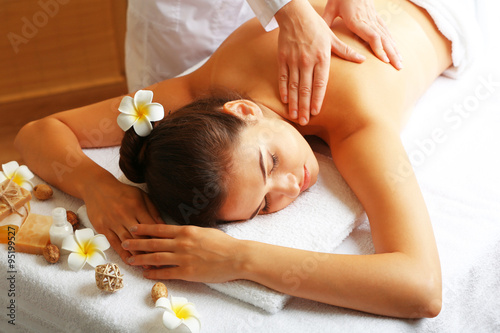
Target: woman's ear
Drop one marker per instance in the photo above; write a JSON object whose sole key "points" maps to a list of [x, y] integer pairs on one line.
{"points": [[243, 108]]}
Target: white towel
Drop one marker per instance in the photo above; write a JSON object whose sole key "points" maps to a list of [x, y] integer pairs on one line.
{"points": [[318, 220], [457, 21]]}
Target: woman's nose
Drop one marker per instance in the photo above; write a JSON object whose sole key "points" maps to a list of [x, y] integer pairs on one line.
{"points": [[287, 184]]}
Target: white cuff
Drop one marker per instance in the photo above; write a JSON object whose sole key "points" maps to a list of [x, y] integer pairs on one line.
{"points": [[265, 10]]}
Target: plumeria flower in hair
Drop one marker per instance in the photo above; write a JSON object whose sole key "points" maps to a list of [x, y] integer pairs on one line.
{"points": [[139, 112]]}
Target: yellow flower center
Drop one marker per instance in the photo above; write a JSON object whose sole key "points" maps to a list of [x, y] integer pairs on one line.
{"points": [[141, 112], [182, 311], [87, 248], [17, 179]]}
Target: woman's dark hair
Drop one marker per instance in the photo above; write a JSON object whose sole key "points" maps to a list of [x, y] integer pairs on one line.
{"points": [[185, 160]]}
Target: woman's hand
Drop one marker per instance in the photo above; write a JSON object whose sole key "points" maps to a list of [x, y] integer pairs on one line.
{"points": [[361, 18], [186, 253], [306, 42], [115, 207]]}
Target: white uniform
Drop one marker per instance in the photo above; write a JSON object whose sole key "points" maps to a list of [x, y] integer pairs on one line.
{"points": [[166, 37]]}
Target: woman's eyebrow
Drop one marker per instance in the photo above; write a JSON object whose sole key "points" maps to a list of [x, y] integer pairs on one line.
{"points": [[262, 168]]}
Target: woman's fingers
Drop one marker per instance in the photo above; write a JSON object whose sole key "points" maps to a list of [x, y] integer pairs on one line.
{"points": [[115, 243], [283, 84], [362, 19], [305, 91], [154, 259], [155, 230], [293, 90], [344, 51], [149, 245], [372, 29], [390, 45]]}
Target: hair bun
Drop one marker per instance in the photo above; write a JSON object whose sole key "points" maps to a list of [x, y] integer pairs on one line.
{"points": [[132, 156]]}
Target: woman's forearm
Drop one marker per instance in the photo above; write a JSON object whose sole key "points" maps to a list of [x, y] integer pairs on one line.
{"points": [[390, 284], [52, 151]]}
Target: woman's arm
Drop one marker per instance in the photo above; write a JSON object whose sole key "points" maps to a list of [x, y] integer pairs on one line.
{"points": [[52, 148], [403, 277]]}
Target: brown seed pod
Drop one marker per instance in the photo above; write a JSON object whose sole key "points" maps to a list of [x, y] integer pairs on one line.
{"points": [[42, 192], [73, 219], [159, 290], [51, 253]]}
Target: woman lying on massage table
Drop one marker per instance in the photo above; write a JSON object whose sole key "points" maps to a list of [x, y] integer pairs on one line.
{"points": [[227, 159]]}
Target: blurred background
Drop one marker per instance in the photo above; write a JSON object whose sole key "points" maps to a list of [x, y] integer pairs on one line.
{"points": [[57, 55]]}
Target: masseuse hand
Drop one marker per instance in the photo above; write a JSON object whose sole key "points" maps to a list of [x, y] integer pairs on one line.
{"points": [[306, 42], [191, 253], [114, 207]]}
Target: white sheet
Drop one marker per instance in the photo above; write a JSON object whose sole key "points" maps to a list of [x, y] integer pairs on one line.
{"points": [[459, 177]]}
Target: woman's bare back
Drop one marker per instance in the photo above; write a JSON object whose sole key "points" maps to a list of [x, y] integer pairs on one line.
{"points": [[247, 63]]}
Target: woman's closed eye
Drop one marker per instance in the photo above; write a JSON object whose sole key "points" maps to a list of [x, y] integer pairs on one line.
{"points": [[276, 161], [266, 199]]}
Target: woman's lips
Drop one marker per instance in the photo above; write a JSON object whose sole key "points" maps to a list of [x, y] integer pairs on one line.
{"points": [[307, 180]]}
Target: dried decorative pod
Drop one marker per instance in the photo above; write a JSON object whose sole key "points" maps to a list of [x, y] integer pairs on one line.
{"points": [[51, 253], [73, 219], [43, 192], [159, 290], [108, 277]]}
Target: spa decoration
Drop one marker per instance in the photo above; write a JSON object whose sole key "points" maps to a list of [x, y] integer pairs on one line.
{"points": [[12, 199], [43, 192], [51, 253], [85, 248], [73, 219], [179, 315], [20, 175], [159, 290], [108, 277], [139, 112]]}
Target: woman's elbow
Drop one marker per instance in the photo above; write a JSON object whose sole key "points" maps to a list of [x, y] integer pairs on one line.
{"points": [[26, 132], [428, 296], [33, 135]]}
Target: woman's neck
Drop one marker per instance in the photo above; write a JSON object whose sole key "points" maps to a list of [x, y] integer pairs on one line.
{"points": [[270, 113]]}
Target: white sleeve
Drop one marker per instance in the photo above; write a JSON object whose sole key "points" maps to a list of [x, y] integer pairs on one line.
{"points": [[265, 10]]}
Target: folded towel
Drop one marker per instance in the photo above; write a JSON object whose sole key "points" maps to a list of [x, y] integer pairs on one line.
{"points": [[457, 21]]}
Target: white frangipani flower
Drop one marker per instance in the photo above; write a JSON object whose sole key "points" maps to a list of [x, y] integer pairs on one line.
{"points": [[85, 248], [179, 314], [139, 112], [20, 175]]}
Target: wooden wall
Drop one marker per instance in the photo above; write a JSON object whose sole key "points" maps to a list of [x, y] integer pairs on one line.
{"points": [[57, 55]]}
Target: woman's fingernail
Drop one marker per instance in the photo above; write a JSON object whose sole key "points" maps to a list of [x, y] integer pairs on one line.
{"points": [[125, 245], [285, 99], [399, 65], [133, 229], [303, 121], [130, 260], [293, 114]]}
